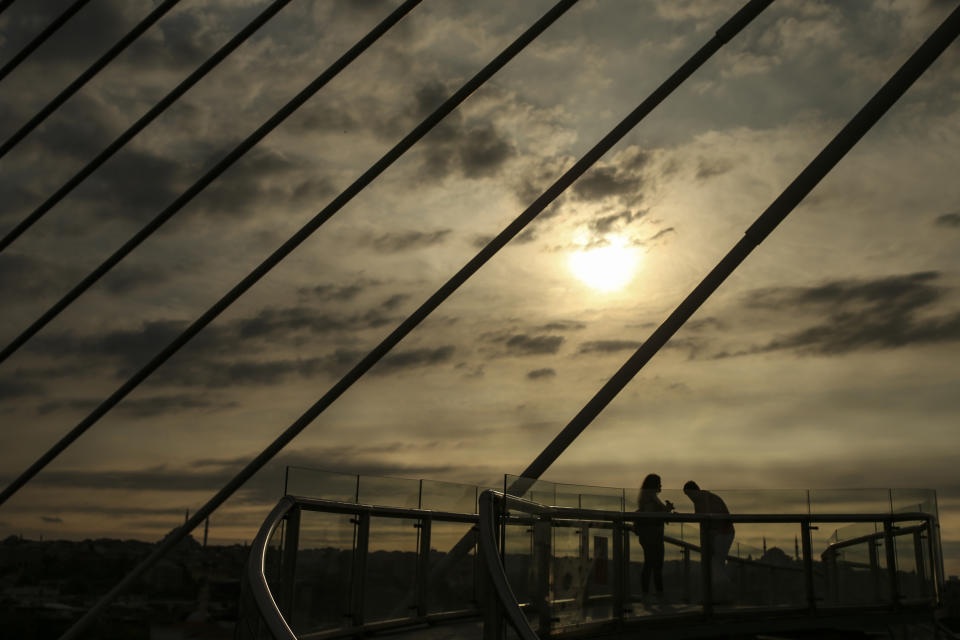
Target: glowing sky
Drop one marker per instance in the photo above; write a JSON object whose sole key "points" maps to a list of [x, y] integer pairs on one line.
{"points": [[829, 359]]}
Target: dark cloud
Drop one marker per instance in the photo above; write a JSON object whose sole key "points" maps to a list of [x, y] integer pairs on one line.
{"points": [[540, 374], [527, 345], [17, 387], [341, 292], [414, 358], [608, 181], [948, 220], [660, 234], [562, 325], [711, 167], [265, 179], [614, 221], [394, 301], [52, 519], [882, 313], [608, 346], [143, 407], [407, 240], [483, 152]]}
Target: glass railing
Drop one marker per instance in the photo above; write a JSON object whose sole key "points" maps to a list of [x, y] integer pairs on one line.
{"points": [[373, 553], [790, 551]]}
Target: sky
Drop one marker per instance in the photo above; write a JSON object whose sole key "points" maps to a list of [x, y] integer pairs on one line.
{"points": [[827, 360]]}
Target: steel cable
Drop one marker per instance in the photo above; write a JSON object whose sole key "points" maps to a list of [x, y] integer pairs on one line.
{"points": [[819, 167], [451, 103], [82, 79], [145, 120], [41, 37], [273, 122], [293, 242], [727, 31]]}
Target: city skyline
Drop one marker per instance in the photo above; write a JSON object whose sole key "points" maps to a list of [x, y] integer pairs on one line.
{"points": [[825, 361]]}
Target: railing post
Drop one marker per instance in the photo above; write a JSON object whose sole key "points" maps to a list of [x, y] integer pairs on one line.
{"points": [[919, 560], [832, 577], [362, 521], [808, 564], [706, 567], [291, 540], [891, 564], [423, 565], [493, 623], [687, 595], [874, 568], [619, 568], [542, 534]]}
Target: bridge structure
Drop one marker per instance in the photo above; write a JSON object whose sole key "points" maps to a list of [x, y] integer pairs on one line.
{"points": [[563, 562], [528, 589]]}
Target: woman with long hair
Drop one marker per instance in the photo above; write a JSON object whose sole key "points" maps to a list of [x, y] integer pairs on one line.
{"points": [[650, 534]]}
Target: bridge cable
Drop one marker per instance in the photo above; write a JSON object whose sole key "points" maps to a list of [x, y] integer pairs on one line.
{"points": [[358, 185], [41, 37], [145, 120], [82, 79], [819, 167], [728, 30], [295, 103]]}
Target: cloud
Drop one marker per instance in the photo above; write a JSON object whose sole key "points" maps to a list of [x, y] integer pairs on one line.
{"points": [[340, 292], [414, 358], [407, 240], [521, 344], [948, 220], [621, 177], [540, 374], [562, 325], [881, 313], [712, 167], [483, 152], [52, 519], [608, 346], [614, 221], [143, 407]]}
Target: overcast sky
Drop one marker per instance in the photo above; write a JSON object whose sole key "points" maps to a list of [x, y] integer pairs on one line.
{"points": [[828, 360]]}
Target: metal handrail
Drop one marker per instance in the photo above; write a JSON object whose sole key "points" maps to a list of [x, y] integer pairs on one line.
{"points": [[266, 605], [496, 575], [493, 511]]}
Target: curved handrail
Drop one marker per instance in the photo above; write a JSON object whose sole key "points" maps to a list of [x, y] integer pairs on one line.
{"points": [[266, 605], [495, 571]]}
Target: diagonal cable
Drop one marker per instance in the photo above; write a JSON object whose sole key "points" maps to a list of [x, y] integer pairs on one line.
{"points": [[145, 120], [41, 37], [82, 79], [294, 241], [295, 103], [451, 103], [4, 4], [814, 172], [727, 31]]}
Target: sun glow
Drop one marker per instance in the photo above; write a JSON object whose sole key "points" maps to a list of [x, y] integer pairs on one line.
{"points": [[606, 268]]}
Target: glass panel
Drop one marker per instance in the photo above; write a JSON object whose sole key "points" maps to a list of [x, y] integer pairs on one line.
{"points": [[390, 585], [389, 492], [923, 500], [855, 573], [449, 496], [539, 491], [764, 568], [839, 501], [325, 485], [324, 572], [451, 583]]}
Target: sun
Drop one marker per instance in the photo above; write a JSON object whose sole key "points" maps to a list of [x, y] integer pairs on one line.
{"points": [[607, 268]]}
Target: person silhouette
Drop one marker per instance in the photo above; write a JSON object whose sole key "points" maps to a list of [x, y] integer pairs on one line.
{"points": [[718, 534], [650, 534]]}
